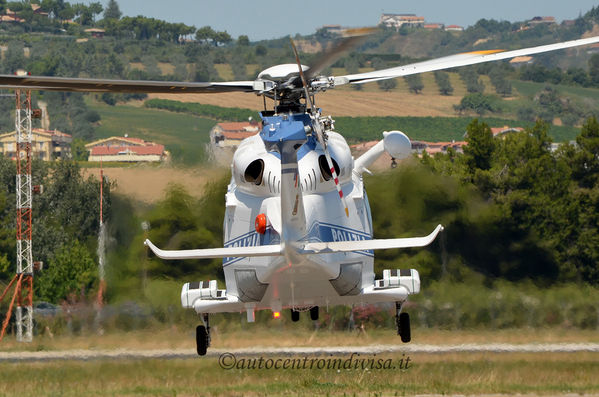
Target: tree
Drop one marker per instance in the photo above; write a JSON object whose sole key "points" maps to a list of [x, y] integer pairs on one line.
{"points": [[585, 164], [442, 80], [498, 78], [243, 40], [71, 271], [387, 84], [414, 83], [594, 70], [95, 9], [205, 33], [222, 38], [479, 151], [479, 103], [78, 150], [112, 10], [470, 78]]}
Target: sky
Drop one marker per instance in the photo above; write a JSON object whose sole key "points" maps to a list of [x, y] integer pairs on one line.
{"points": [[268, 19]]}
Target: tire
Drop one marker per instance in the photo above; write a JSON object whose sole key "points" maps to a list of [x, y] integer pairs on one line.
{"points": [[201, 340], [295, 315], [404, 327], [314, 313]]}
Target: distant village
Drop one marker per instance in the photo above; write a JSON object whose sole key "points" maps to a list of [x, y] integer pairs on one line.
{"points": [[397, 21]]}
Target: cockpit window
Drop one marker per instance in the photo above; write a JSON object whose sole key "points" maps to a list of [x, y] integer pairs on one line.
{"points": [[324, 168], [253, 172]]}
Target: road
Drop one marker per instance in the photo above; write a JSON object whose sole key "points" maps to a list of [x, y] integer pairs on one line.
{"points": [[122, 354]]}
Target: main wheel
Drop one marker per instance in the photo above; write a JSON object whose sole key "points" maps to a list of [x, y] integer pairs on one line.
{"points": [[404, 327], [201, 340], [295, 315], [314, 313]]}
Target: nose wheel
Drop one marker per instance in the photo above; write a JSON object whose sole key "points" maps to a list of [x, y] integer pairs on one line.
{"points": [[203, 336], [402, 321]]}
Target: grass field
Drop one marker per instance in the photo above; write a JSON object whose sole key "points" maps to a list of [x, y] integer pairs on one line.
{"points": [[464, 374], [441, 374], [274, 333], [185, 135]]}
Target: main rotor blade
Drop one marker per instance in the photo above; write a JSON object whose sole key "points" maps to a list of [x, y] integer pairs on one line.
{"points": [[318, 130], [464, 59], [353, 37], [121, 86]]}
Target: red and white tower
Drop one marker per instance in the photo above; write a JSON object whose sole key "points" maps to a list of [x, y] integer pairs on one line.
{"points": [[24, 309]]}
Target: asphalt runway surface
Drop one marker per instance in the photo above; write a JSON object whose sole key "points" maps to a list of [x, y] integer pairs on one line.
{"points": [[123, 354]]}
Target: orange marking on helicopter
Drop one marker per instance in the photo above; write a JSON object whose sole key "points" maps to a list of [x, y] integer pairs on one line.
{"points": [[484, 52]]}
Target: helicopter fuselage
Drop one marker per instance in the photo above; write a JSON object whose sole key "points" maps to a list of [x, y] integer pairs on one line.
{"points": [[296, 280]]}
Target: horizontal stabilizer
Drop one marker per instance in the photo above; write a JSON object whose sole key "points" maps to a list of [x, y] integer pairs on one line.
{"points": [[365, 245], [260, 250]]}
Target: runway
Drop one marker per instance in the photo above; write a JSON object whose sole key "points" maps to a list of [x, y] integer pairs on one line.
{"points": [[123, 354]]}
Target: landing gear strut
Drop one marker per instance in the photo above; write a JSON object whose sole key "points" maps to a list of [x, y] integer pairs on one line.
{"points": [[295, 315], [203, 335], [314, 313], [402, 320]]}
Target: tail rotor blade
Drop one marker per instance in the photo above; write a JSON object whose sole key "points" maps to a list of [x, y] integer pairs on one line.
{"points": [[318, 130]]}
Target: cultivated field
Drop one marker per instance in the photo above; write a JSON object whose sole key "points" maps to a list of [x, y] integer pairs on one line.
{"points": [[148, 183], [341, 102]]}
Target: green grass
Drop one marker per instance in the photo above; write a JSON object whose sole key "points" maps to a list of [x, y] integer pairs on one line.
{"points": [[530, 88], [434, 129], [185, 136], [426, 374]]}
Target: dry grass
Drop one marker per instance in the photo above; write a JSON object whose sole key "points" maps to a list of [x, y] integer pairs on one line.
{"points": [[346, 101], [147, 183], [278, 334], [342, 102], [453, 373]]}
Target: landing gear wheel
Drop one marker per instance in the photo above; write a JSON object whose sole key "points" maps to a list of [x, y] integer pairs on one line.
{"points": [[314, 313], [201, 340], [404, 327], [295, 315]]}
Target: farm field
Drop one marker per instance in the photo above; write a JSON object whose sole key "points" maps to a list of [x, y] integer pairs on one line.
{"points": [[346, 101], [341, 102], [147, 183], [185, 136]]}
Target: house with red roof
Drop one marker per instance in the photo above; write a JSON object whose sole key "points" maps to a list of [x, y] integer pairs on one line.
{"points": [[454, 28], [231, 134], [126, 149]]}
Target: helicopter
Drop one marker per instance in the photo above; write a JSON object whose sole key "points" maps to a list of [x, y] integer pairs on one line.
{"points": [[298, 231]]}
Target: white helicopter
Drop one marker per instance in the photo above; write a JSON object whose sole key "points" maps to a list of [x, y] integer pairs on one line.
{"points": [[297, 228]]}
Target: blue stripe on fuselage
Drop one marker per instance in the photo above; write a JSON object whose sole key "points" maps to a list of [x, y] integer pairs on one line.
{"points": [[318, 232]]}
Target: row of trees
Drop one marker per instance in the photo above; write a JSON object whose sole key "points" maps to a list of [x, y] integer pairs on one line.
{"points": [[539, 217], [65, 227]]}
